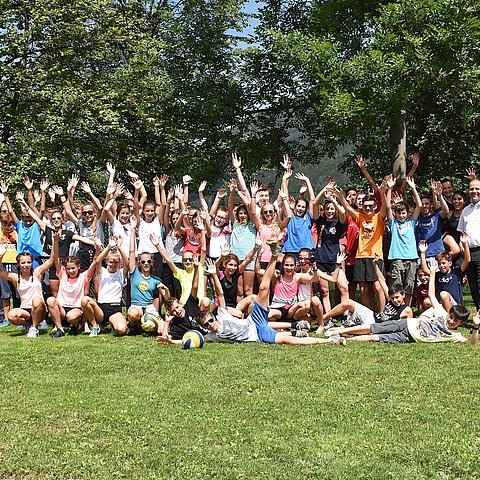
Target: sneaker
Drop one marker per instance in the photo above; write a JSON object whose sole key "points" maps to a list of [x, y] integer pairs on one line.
{"points": [[94, 331], [43, 325], [73, 330], [4, 323], [301, 325], [348, 322], [299, 333], [32, 332], [336, 338], [328, 325], [58, 333]]}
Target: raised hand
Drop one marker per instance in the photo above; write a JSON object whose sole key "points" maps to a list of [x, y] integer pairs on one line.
{"points": [[57, 190], [301, 176], [73, 182], [132, 175], [112, 189], [137, 183], [232, 184], [163, 180], [110, 168], [37, 196], [433, 267], [170, 195], [154, 239], [390, 181], [422, 246], [200, 224], [202, 186], [3, 187], [225, 249], [287, 174], [396, 197], [360, 161], [410, 182], [341, 257], [471, 174], [51, 194], [113, 242], [20, 197], [254, 188], [133, 221], [221, 193], [28, 183], [464, 237], [186, 179], [416, 159], [210, 267], [44, 184], [179, 192], [282, 194], [236, 161], [303, 188], [286, 162], [156, 181], [86, 187]]}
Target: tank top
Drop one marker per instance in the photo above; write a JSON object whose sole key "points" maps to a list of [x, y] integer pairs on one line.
{"points": [[285, 293], [450, 227], [28, 290]]}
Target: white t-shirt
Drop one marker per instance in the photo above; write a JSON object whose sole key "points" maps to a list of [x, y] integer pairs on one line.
{"points": [[220, 237], [123, 232], [144, 230], [110, 286], [233, 329]]}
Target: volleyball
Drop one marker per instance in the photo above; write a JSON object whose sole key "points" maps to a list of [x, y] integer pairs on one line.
{"points": [[192, 339], [149, 322]]}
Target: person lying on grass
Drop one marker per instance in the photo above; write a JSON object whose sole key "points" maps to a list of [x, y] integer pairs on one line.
{"points": [[28, 283], [434, 325], [255, 327], [395, 308]]}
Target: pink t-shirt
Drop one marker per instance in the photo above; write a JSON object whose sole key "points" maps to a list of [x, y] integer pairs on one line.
{"points": [[71, 291], [268, 232]]}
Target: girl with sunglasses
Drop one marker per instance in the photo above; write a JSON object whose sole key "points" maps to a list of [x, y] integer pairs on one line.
{"points": [[143, 285], [67, 237], [71, 298], [28, 283]]}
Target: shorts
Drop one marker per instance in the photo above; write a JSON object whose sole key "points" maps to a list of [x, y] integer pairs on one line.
{"points": [[65, 322], [108, 310], [452, 300], [169, 280], [362, 315], [250, 267], [146, 309], [326, 267], [349, 272], [393, 331], [8, 290], [404, 272], [364, 271], [259, 316]]}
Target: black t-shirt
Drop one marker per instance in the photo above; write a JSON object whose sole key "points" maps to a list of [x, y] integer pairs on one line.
{"points": [[390, 312], [230, 290], [179, 326], [66, 239]]}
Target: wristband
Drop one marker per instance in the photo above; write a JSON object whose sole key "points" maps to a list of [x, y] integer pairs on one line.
{"points": [[475, 327]]}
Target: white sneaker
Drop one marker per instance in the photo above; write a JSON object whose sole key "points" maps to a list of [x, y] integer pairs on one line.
{"points": [[32, 332], [43, 325]]}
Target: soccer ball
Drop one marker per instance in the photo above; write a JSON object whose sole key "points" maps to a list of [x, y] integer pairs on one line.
{"points": [[192, 339], [149, 322]]}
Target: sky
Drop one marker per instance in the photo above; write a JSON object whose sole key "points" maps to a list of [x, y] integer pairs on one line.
{"points": [[251, 6]]}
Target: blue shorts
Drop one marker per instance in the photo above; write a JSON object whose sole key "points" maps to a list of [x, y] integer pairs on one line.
{"points": [[259, 315]]}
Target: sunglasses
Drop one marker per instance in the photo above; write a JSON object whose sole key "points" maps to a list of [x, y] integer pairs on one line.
{"points": [[207, 323], [56, 218], [187, 260], [145, 262], [88, 212], [266, 212]]}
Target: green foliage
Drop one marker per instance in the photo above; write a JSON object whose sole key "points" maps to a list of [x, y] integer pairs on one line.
{"points": [[345, 69]]}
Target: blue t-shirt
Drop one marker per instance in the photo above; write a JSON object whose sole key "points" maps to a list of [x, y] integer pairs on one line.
{"points": [[450, 282], [430, 229], [403, 245], [242, 239], [29, 239], [299, 233], [328, 239], [142, 289]]}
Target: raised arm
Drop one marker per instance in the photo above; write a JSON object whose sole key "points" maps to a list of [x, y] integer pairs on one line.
{"points": [[348, 208], [466, 252], [186, 179], [422, 248], [201, 197], [133, 238], [30, 198], [194, 291], [156, 243], [4, 190], [286, 208], [431, 285], [416, 197], [66, 204], [252, 207], [95, 201], [41, 269], [212, 272], [361, 165], [44, 184], [232, 185], [411, 173], [31, 212], [342, 215], [237, 163], [311, 195]]}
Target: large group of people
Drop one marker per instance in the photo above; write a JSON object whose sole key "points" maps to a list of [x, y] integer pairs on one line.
{"points": [[250, 267]]}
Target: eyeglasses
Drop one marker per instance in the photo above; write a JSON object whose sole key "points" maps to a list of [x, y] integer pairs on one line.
{"points": [[145, 262], [88, 212], [187, 260], [220, 218], [266, 212]]}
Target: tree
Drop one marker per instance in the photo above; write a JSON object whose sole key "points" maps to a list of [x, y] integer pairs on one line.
{"points": [[373, 74]]}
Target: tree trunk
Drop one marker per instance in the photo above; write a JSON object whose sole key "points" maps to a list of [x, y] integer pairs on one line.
{"points": [[398, 147]]}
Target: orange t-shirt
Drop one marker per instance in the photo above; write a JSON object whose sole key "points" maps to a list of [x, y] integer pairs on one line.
{"points": [[370, 235]]}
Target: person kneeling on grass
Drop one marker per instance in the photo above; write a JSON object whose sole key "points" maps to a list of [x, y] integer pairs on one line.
{"points": [[434, 325], [255, 327], [179, 317], [28, 283], [395, 307], [109, 283]]}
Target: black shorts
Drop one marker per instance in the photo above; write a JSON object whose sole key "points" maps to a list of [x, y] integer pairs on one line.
{"points": [[283, 314], [349, 272], [364, 271], [65, 322], [326, 267], [108, 310], [169, 280]]}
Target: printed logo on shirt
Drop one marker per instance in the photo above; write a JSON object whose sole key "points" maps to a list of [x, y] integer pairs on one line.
{"points": [[143, 286], [367, 230], [403, 228], [332, 231]]}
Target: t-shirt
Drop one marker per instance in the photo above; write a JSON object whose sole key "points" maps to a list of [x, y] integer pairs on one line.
{"points": [[450, 282], [390, 312], [433, 329], [29, 239], [429, 228], [10, 242], [88, 231], [299, 233], [218, 238], [242, 239], [403, 245], [71, 291], [229, 290], [110, 286], [181, 325], [370, 235], [174, 247], [64, 242], [122, 231], [145, 229], [186, 280], [142, 289], [329, 234], [232, 329]]}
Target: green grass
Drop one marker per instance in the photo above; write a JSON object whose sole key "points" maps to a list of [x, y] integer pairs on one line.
{"points": [[108, 407]]}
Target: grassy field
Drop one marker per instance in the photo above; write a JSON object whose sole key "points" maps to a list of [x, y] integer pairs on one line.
{"points": [[108, 407]]}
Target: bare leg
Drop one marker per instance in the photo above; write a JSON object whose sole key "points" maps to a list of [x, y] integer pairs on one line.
{"points": [[248, 281], [56, 312], [446, 300], [54, 284], [134, 315], [325, 294], [356, 330], [365, 338], [316, 309], [366, 294], [299, 311], [74, 316], [38, 311], [380, 295], [91, 311], [119, 323], [18, 316], [285, 338]]}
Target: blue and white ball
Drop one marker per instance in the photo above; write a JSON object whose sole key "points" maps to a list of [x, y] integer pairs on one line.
{"points": [[149, 322], [192, 339]]}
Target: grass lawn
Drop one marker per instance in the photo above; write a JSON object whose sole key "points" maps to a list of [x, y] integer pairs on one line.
{"points": [[108, 407]]}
